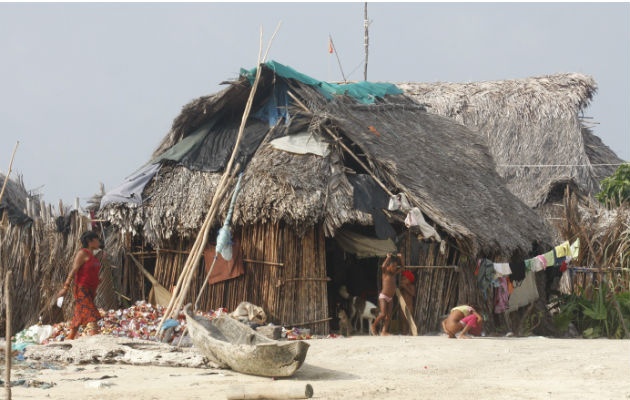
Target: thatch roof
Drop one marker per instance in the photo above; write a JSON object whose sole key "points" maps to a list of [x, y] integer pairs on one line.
{"points": [[14, 199], [533, 121], [443, 167]]}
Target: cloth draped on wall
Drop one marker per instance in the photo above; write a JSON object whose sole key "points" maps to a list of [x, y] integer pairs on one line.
{"points": [[524, 294], [371, 198], [224, 270], [363, 246]]}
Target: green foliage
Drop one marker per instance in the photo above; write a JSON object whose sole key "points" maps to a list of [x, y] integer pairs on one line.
{"points": [[594, 317], [616, 188]]}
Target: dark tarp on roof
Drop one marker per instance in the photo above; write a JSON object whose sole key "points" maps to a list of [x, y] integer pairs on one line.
{"points": [[371, 198]]}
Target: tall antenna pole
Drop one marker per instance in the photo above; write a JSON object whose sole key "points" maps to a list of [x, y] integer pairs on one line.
{"points": [[366, 40]]}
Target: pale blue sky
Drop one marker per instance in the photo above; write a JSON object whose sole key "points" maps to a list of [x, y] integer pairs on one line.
{"points": [[90, 89]]}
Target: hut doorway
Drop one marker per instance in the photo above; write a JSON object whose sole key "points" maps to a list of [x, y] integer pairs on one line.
{"points": [[353, 260]]}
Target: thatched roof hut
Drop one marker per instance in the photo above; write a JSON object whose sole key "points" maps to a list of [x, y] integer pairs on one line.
{"points": [[529, 125], [289, 203], [446, 170]]}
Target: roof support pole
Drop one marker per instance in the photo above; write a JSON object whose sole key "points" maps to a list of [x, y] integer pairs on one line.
{"points": [[343, 146], [6, 178]]}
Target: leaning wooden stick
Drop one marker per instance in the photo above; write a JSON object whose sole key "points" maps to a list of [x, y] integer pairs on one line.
{"points": [[6, 178], [406, 313], [186, 277], [7, 349]]}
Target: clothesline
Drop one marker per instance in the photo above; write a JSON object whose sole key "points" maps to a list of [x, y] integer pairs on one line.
{"points": [[558, 165], [596, 269]]}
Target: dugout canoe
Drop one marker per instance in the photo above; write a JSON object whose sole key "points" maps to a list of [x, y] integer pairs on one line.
{"points": [[232, 344]]}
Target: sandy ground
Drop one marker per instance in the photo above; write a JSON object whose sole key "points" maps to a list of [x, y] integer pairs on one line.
{"points": [[396, 367]]}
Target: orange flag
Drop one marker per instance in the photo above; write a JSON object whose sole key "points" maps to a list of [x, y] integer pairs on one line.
{"points": [[330, 46]]}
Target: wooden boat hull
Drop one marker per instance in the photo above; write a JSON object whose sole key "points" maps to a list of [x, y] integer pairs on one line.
{"points": [[232, 344]]}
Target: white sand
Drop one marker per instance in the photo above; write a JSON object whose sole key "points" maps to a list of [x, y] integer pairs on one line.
{"points": [[396, 367]]}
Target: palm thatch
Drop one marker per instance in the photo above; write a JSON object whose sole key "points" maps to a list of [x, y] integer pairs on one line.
{"points": [[15, 198], [40, 258], [444, 168], [533, 121]]}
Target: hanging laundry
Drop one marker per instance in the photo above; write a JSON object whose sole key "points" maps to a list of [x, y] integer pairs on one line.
{"points": [[518, 270], [565, 283], [501, 296], [539, 263], [394, 203], [404, 203], [399, 202], [524, 294], [503, 269], [485, 276], [550, 258], [415, 218], [575, 248], [563, 250]]}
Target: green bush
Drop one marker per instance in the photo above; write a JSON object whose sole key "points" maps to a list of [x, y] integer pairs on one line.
{"points": [[615, 188], [594, 317]]}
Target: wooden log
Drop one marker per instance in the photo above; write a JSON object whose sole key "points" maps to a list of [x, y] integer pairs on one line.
{"points": [[7, 348], [309, 322], [275, 390]]}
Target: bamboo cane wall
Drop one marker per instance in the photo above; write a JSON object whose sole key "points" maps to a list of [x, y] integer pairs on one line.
{"points": [[290, 285], [436, 288]]}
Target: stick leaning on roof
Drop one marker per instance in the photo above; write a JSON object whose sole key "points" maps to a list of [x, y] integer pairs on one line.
{"points": [[183, 284]]}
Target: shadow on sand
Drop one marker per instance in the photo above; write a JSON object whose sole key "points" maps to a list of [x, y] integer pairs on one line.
{"points": [[313, 373]]}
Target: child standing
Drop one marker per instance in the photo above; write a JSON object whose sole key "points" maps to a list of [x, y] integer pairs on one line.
{"points": [[391, 266]]}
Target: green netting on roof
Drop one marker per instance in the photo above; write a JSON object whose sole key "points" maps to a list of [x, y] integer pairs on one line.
{"points": [[364, 92]]}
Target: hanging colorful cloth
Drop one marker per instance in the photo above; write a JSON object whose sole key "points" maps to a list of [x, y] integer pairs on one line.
{"points": [[501, 296], [485, 276]]}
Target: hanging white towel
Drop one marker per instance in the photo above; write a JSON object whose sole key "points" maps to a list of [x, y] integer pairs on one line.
{"points": [[503, 269], [415, 218]]}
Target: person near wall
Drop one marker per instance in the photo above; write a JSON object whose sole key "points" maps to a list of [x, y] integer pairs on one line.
{"points": [[408, 292], [391, 266], [463, 318], [85, 270]]}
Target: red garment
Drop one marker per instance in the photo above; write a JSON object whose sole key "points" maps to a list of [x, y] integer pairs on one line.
{"points": [[87, 275], [84, 309], [409, 276], [564, 266], [471, 321]]}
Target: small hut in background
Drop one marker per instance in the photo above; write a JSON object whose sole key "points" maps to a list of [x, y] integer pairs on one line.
{"points": [[320, 161], [536, 132]]}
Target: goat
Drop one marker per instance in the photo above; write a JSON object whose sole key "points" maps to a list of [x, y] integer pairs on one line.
{"points": [[344, 323], [360, 309]]}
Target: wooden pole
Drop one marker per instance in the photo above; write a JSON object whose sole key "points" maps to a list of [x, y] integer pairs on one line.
{"points": [[338, 60], [7, 349], [366, 39], [6, 178]]}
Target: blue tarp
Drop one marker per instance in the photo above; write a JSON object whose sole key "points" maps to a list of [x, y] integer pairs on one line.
{"points": [[364, 92]]}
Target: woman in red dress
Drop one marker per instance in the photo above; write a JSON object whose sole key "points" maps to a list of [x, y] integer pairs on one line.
{"points": [[85, 271]]}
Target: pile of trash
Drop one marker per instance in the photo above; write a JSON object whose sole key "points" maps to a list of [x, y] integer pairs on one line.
{"points": [[139, 321]]}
